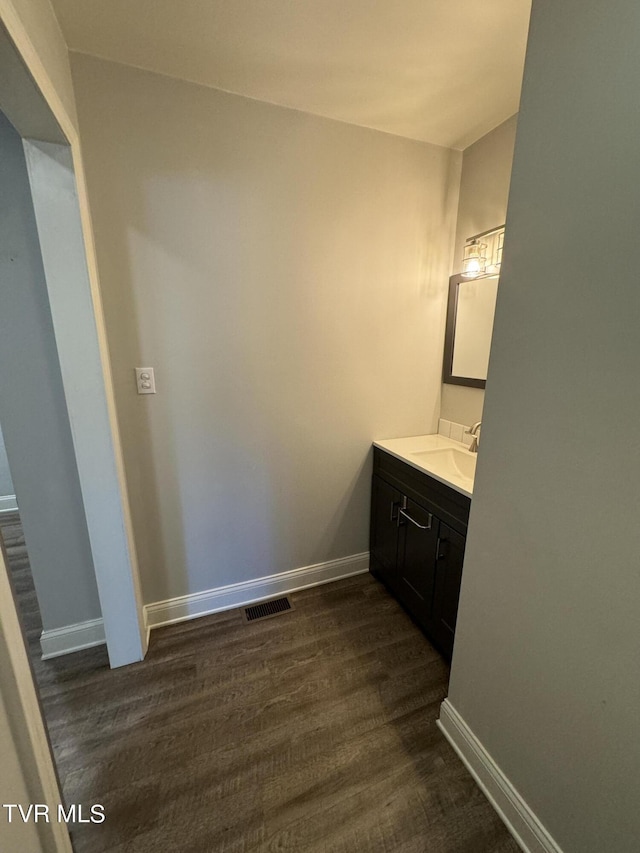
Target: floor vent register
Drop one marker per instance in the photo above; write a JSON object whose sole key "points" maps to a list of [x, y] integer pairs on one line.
{"points": [[267, 609]]}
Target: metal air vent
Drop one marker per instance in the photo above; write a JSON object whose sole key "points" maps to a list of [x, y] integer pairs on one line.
{"points": [[267, 609]]}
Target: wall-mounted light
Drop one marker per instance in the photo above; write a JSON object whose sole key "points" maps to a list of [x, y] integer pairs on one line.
{"points": [[474, 261], [483, 253]]}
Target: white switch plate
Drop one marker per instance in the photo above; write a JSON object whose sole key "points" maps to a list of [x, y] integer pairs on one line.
{"points": [[145, 380]]}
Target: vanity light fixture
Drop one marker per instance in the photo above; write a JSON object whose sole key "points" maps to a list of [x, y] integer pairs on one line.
{"points": [[474, 261], [483, 253]]}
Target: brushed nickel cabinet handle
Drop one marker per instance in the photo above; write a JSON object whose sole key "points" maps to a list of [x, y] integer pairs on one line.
{"points": [[404, 514]]}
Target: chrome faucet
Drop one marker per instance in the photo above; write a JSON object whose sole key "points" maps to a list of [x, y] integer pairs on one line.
{"points": [[473, 447]]}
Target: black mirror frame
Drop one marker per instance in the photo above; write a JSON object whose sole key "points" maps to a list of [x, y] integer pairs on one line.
{"points": [[449, 339]]}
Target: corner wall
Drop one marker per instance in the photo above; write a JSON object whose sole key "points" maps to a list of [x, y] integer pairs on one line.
{"points": [[286, 277], [484, 189], [545, 665]]}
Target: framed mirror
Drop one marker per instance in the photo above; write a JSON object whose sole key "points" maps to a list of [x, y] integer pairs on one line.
{"points": [[470, 313]]}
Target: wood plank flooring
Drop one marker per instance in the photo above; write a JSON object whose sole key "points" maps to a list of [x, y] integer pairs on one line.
{"points": [[313, 733]]}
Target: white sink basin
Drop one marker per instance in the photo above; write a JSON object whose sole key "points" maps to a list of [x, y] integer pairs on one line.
{"points": [[449, 461], [446, 460]]}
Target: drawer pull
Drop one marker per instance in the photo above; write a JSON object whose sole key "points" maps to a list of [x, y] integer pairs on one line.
{"points": [[404, 514]]}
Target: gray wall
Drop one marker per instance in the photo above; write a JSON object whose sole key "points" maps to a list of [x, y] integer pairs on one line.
{"points": [[286, 277], [484, 189], [545, 667], [6, 483], [33, 412]]}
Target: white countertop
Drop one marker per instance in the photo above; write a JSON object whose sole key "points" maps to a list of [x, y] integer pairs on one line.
{"points": [[442, 458]]}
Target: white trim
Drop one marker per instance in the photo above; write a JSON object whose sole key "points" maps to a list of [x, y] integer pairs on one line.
{"points": [[57, 213], [27, 742], [517, 815], [84, 635], [72, 638], [8, 503], [238, 594]]}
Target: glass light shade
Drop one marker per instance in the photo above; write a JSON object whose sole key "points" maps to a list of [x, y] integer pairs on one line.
{"points": [[474, 262]]}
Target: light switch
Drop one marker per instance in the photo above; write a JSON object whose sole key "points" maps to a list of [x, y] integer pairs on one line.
{"points": [[145, 380]]}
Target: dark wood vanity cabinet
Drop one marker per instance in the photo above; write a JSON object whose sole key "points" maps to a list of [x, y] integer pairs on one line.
{"points": [[418, 530]]}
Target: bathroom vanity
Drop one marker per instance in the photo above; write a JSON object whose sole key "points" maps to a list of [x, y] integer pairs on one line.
{"points": [[420, 500]]}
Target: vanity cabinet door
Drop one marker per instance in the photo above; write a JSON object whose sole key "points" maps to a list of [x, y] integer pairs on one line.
{"points": [[448, 577], [385, 503], [418, 555], [416, 558]]}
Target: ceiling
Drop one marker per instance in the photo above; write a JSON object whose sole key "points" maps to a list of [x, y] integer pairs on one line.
{"points": [[441, 71]]}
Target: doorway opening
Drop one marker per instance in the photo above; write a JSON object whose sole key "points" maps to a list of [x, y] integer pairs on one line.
{"points": [[68, 537], [56, 400]]}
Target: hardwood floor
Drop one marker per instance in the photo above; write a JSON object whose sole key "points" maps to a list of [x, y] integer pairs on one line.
{"points": [[313, 732]]}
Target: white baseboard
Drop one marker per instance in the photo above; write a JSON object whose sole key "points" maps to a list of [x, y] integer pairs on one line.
{"points": [[8, 503], [517, 815], [84, 635], [239, 594], [71, 638]]}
